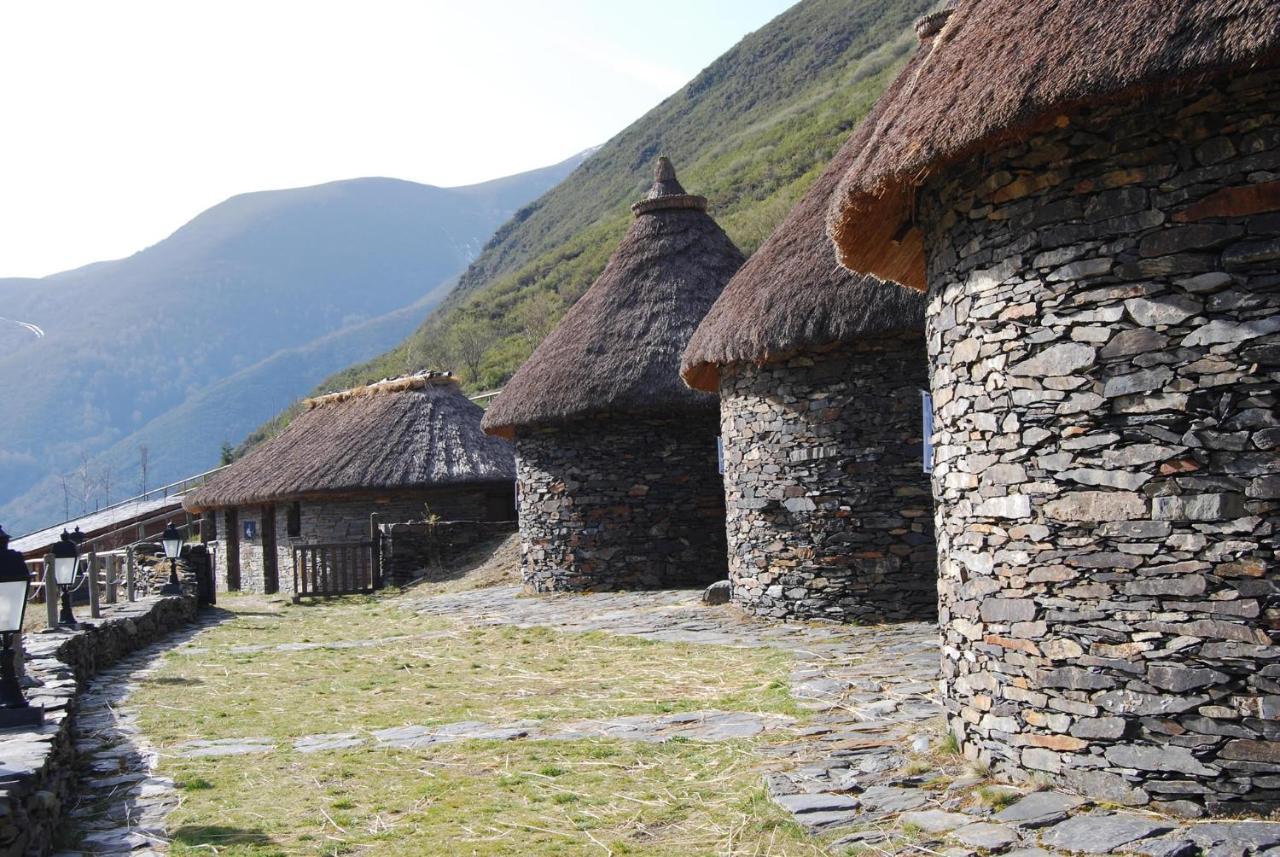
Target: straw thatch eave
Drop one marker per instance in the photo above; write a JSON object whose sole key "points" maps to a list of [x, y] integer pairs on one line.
{"points": [[792, 295], [617, 351], [411, 433], [994, 71]]}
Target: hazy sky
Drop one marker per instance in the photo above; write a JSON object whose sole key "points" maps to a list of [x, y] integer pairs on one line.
{"points": [[124, 119]]}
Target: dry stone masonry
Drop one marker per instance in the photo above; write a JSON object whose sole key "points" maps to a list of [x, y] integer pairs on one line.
{"points": [[1104, 334], [829, 514], [40, 775], [624, 503]]}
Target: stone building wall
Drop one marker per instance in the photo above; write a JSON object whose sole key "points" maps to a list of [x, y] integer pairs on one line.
{"points": [[623, 503], [1104, 336], [829, 513], [346, 519]]}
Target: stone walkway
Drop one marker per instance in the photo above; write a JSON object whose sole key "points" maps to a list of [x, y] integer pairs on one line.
{"points": [[863, 768], [122, 802]]}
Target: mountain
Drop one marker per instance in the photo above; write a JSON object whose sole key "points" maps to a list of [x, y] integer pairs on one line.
{"points": [[196, 340], [749, 132]]}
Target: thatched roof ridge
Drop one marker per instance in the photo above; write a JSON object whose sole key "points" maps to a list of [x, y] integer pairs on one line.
{"points": [[419, 431], [999, 70], [793, 295], [618, 348]]}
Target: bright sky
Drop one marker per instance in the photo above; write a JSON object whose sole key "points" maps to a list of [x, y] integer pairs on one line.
{"points": [[122, 120]]}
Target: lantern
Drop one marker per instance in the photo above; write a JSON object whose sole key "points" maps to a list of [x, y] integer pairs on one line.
{"points": [[15, 581]]}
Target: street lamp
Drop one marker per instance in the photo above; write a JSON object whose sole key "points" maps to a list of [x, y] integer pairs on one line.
{"points": [[66, 561], [15, 580], [172, 540]]}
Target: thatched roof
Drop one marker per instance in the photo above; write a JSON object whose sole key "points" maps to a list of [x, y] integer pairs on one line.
{"points": [[618, 349], [993, 71], [792, 294], [419, 431]]}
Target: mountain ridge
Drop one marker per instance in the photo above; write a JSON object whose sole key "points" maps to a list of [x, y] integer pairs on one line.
{"points": [[339, 271]]}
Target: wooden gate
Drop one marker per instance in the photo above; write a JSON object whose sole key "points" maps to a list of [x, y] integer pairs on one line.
{"points": [[324, 570]]}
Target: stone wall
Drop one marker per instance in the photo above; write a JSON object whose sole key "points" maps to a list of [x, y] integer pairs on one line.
{"points": [[418, 549], [829, 514], [624, 503], [342, 519], [40, 764], [1104, 311]]}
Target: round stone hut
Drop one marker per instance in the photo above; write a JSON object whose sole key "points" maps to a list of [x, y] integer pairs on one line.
{"points": [[403, 449], [618, 486], [1093, 211], [820, 375]]}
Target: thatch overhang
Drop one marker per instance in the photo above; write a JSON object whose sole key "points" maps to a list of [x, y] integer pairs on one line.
{"points": [[989, 72], [411, 433], [793, 295], [617, 350]]}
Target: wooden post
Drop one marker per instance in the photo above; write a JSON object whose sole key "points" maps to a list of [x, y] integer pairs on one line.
{"points": [[95, 609], [131, 576], [375, 549], [113, 568], [50, 591]]}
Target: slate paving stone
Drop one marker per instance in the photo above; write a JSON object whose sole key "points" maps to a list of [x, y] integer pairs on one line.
{"points": [[893, 799], [935, 820], [1254, 835], [1175, 844], [1102, 833], [1039, 809], [821, 802], [986, 836]]}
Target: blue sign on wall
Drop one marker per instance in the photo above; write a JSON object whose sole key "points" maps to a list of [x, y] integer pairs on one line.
{"points": [[926, 419], [250, 530]]}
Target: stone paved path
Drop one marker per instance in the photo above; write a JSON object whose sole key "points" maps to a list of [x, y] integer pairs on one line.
{"points": [[122, 802], [862, 767]]}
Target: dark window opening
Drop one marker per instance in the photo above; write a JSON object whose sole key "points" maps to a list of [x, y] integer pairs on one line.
{"points": [[293, 521]]}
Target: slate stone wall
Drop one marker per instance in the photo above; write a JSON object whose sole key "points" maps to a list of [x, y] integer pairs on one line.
{"points": [[1104, 334], [343, 519], [829, 513], [623, 503], [40, 764], [419, 549]]}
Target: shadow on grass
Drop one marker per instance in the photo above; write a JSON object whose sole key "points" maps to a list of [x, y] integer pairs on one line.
{"points": [[178, 680], [218, 836]]}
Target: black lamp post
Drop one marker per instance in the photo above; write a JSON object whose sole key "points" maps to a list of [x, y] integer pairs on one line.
{"points": [[66, 562], [15, 581], [172, 541]]}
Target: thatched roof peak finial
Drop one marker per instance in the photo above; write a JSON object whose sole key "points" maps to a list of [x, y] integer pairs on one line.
{"points": [[930, 25], [667, 192]]}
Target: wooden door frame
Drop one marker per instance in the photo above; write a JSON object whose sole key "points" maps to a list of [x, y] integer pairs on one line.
{"points": [[232, 523], [270, 552]]}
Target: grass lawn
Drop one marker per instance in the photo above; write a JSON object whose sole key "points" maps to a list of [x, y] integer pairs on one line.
{"points": [[592, 796]]}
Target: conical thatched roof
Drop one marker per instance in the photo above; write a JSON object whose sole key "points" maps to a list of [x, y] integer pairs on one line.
{"points": [[793, 294], [618, 349], [992, 71], [414, 432]]}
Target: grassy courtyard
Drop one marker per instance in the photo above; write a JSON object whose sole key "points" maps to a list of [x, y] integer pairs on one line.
{"points": [[527, 797]]}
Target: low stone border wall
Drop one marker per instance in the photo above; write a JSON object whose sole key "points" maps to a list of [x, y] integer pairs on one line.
{"points": [[417, 549], [37, 766]]}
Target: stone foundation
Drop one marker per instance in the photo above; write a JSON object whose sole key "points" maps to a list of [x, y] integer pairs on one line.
{"points": [[625, 503], [40, 764], [829, 514], [1104, 311]]}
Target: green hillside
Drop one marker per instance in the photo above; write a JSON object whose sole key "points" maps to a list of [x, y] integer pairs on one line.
{"points": [[749, 132]]}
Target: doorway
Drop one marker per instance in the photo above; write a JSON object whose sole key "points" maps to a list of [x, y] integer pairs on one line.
{"points": [[233, 550], [270, 557]]}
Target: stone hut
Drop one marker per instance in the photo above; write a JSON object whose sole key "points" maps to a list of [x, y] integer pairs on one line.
{"points": [[617, 479], [403, 449], [820, 374], [1089, 195]]}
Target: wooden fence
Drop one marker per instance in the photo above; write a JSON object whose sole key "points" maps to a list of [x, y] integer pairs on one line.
{"points": [[348, 568]]}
